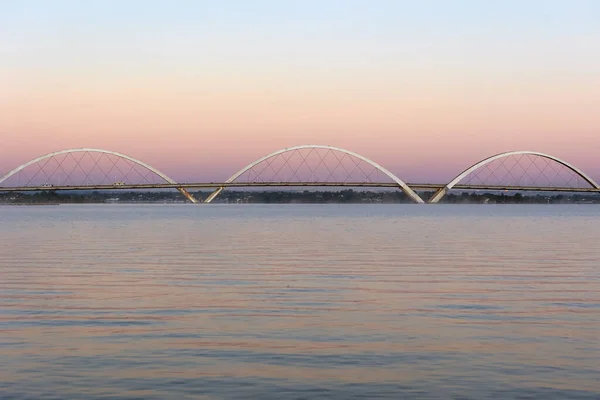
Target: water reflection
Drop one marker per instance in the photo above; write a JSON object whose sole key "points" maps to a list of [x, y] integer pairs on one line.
{"points": [[299, 302]]}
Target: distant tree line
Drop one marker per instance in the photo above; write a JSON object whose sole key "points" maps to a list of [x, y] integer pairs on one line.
{"points": [[288, 196]]}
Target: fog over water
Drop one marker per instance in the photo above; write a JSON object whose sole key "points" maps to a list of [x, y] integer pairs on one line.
{"points": [[300, 301]]}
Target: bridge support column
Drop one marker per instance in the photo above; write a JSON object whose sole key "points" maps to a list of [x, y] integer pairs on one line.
{"points": [[411, 194], [214, 194], [438, 195], [187, 195]]}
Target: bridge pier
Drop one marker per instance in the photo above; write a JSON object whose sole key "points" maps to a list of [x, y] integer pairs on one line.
{"points": [[438, 195], [187, 195], [214, 194]]}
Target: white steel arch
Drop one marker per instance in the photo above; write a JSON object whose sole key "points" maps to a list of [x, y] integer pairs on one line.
{"points": [[90, 150], [441, 192], [405, 188]]}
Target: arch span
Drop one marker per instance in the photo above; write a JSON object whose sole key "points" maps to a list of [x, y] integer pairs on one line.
{"points": [[90, 150], [403, 186], [441, 192]]}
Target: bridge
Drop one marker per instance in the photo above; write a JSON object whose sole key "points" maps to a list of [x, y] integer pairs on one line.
{"points": [[299, 166]]}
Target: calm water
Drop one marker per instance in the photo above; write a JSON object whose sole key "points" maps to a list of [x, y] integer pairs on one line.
{"points": [[300, 302]]}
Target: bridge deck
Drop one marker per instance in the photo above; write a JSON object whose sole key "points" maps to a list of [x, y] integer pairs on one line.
{"points": [[214, 185]]}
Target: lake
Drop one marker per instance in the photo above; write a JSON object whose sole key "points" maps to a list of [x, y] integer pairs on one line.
{"points": [[300, 301]]}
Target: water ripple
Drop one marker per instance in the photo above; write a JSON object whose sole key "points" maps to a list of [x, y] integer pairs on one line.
{"points": [[298, 302]]}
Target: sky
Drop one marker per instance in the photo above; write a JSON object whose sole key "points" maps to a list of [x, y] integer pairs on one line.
{"points": [[201, 88]]}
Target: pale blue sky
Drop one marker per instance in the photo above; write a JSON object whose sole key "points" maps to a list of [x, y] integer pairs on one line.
{"points": [[452, 33]]}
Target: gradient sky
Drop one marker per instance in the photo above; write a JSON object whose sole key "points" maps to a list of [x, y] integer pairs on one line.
{"points": [[201, 88]]}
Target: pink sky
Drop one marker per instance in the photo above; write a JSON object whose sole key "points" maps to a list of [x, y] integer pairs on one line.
{"points": [[420, 130]]}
